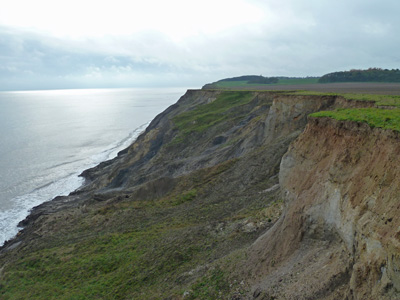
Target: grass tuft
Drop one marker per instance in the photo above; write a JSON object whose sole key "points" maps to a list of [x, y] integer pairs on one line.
{"points": [[374, 117]]}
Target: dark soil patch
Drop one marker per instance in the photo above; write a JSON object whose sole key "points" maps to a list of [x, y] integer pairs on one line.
{"points": [[345, 87]]}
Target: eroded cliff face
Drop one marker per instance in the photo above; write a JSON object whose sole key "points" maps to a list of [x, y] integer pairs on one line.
{"points": [[217, 206], [344, 176], [339, 236], [265, 119]]}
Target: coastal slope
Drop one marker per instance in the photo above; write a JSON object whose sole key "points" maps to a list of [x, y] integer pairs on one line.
{"points": [[223, 196]]}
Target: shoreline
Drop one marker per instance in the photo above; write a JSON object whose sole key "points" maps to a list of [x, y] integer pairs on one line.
{"points": [[82, 193], [43, 208]]}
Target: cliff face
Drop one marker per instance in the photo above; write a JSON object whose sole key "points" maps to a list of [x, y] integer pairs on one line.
{"points": [[264, 119], [342, 177], [203, 205], [339, 233]]}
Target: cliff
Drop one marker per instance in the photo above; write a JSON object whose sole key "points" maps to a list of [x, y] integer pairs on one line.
{"points": [[212, 202], [338, 238]]}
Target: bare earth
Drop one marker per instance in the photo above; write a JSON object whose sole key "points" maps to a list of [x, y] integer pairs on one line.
{"points": [[345, 87]]}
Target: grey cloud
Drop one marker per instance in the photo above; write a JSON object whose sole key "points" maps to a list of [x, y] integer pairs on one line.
{"points": [[301, 38], [27, 61]]}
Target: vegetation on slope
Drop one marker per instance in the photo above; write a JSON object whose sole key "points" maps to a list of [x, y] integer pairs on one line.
{"points": [[207, 115], [134, 249]]}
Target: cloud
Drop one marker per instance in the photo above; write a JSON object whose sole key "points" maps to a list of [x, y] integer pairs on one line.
{"points": [[292, 38]]}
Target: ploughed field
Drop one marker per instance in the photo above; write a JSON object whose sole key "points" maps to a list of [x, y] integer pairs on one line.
{"points": [[344, 87]]}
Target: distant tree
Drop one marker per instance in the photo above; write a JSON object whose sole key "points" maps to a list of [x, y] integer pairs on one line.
{"points": [[369, 75]]}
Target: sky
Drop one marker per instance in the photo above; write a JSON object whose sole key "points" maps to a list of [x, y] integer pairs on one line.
{"points": [[52, 44]]}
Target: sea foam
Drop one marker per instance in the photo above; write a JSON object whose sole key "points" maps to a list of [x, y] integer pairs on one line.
{"points": [[22, 205]]}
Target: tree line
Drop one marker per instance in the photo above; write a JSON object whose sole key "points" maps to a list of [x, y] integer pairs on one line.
{"points": [[369, 75]]}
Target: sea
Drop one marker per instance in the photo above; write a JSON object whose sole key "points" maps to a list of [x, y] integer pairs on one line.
{"points": [[47, 138]]}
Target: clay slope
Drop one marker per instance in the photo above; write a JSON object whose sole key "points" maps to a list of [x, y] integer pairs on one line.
{"points": [[339, 236]]}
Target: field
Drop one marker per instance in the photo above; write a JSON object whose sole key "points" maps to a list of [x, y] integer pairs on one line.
{"points": [[297, 81], [342, 88]]}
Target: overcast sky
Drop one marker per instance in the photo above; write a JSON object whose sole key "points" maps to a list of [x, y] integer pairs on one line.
{"points": [[47, 44]]}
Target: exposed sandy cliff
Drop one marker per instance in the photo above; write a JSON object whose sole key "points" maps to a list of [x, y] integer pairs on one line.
{"points": [[211, 202], [339, 236]]}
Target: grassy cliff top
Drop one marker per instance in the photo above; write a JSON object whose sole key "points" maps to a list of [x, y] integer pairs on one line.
{"points": [[374, 117], [378, 116], [380, 100]]}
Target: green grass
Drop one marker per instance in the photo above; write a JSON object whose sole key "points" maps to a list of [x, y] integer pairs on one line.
{"points": [[374, 117], [188, 196], [139, 249], [112, 266], [380, 100], [207, 115], [211, 286]]}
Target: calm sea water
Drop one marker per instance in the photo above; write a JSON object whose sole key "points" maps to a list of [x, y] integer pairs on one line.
{"points": [[47, 138]]}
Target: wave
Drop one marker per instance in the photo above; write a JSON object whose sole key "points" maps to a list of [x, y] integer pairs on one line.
{"points": [[65, 164], [61, 186], [22, 205], [113, 149]]}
